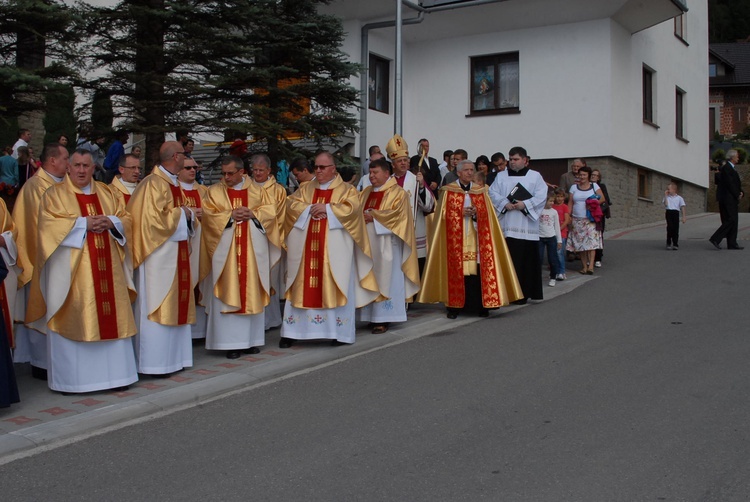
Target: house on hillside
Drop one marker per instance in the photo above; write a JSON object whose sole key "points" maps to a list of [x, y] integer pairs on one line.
{"points": [[729, 84], [623, 83]]}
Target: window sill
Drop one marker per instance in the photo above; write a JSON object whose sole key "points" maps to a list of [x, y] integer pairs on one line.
{"points": [[376, 110], [499, 111], [646, 199], [681, 40], [684, 140], [648, 122]]}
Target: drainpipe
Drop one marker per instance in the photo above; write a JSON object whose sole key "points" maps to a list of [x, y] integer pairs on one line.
{"points": [[365, 54]]}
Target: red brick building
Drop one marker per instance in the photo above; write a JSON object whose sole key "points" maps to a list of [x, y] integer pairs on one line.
{"points": [[729, 88]]}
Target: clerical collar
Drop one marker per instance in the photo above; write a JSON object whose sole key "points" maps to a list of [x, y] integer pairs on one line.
{"points": [[172, 177], [54, 177], [260, 183], [86, 190], [129, 185], [376, 189], [465, 188], [520, 172], [324, 186], [187, 186], [238, 186]]}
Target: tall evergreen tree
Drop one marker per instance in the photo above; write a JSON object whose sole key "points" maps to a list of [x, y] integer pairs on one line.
{"points": [[271, 68], [33, 32], [60, 114]]}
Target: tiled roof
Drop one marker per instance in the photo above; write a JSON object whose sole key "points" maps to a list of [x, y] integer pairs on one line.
{"points": [[738, 54]]}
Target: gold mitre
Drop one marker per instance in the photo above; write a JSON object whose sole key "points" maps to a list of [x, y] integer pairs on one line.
{"points": [[397, 148]]}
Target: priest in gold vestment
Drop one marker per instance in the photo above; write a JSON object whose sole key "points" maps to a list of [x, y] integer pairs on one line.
{"points": [[126, 182], [243, 243], [15, 264], [80, 294], [262, 176], [194, 195], [31, 345], [468, 265], [329, 268], [163, 239], [390, 229]]}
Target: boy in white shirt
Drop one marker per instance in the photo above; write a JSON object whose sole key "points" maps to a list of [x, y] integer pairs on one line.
{"points": [[674, 205]]}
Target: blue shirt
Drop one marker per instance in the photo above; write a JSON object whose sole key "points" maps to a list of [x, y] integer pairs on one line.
{"points": [[8, 170], [114, 154]]}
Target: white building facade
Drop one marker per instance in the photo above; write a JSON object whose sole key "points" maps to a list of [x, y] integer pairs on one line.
{"points": [[622, 83]]}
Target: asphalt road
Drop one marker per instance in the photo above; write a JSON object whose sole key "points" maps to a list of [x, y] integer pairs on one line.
{"points": [[634, 387]]}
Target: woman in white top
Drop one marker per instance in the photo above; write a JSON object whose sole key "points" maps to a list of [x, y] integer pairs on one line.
{"points": [[584, 238]]}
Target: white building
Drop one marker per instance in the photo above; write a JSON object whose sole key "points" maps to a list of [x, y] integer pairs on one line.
{"points": [[622, 83]]}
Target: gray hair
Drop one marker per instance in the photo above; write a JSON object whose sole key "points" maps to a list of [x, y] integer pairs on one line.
{"points": [[731, 153], [260, 158], [463, 163]]}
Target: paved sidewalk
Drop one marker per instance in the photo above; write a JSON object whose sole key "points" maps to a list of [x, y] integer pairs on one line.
{"points": [[45, 418]]}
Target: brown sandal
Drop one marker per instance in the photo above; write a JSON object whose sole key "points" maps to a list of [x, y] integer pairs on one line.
{"points": [[379, 329]]}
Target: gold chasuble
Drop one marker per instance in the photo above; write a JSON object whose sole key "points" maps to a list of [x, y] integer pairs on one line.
{"points": [[239, 284], [278, 195], [391, 208], [119, 188], [9, 286], [311, 271], [457, 244], [25, 215], [94, 302], [156, 207]]}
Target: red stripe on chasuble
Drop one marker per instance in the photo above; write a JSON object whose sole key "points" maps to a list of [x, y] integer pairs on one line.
{"points": [[454, 235], [374, 200], [315, 248], [7, 319], [183, 265], [488, 267], [192, 198], [241, 236], [100, 256], [127, 197]]}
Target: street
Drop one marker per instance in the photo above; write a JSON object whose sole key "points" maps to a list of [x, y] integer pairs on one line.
{"points": [[633, 386]]}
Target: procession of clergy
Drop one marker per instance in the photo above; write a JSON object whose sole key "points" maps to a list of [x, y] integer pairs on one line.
{"points": [[116, 280]]}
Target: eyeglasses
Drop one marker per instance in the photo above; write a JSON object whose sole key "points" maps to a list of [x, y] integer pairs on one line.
{"points": [[225, 174], [190, 167], [321, 167]]}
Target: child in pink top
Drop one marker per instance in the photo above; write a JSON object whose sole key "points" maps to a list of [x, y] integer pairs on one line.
{"points": [[561, 206]]}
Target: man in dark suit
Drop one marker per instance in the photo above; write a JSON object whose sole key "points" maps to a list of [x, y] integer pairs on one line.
{"points": [[429, 167], [728, 193]]}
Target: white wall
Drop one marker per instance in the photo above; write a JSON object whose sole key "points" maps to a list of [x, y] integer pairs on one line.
{"points": [[580, 93]]}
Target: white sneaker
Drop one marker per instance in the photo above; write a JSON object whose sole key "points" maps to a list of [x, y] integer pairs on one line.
{"points": [[552, 282], [560, 277], [598, 264]]}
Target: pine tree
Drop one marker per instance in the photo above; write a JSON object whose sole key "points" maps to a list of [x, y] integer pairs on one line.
{"points": [[271, 68]]}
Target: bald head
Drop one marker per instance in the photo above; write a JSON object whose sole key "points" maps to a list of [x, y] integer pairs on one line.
{"points": [[172, 156]]}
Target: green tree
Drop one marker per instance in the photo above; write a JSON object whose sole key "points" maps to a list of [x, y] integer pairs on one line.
{"points": [[102, 114], [60, 115], [33, 32], [271, 68], [729, 20]]}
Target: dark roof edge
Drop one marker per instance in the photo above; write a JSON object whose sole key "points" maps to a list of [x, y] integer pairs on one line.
{"points": [[721, 58], [681, 5]]}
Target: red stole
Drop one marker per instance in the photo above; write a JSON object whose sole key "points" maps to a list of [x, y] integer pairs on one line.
{"points": [[374, 200], [192, 198], [127, 197], [241, 236], [100, 254], [7, 319], [183, 264], [315, 248], [454, 232]]}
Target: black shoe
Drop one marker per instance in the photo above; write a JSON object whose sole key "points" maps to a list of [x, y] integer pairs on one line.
{"points": [[484, 313], [736, 247], [522, 301], [233, 354], [285, 343], [38, 372], [336, 343], [452, 315], [716, 244], [251, 350], [121, 389]]}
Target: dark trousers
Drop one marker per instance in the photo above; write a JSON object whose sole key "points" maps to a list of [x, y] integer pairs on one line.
{"points": [[673, 226], [550, 244], [729, 223], [600, 252], [472, 295]]}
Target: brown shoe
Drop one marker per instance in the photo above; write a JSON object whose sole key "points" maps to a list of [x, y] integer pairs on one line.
{"points": [[379, 329]]}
